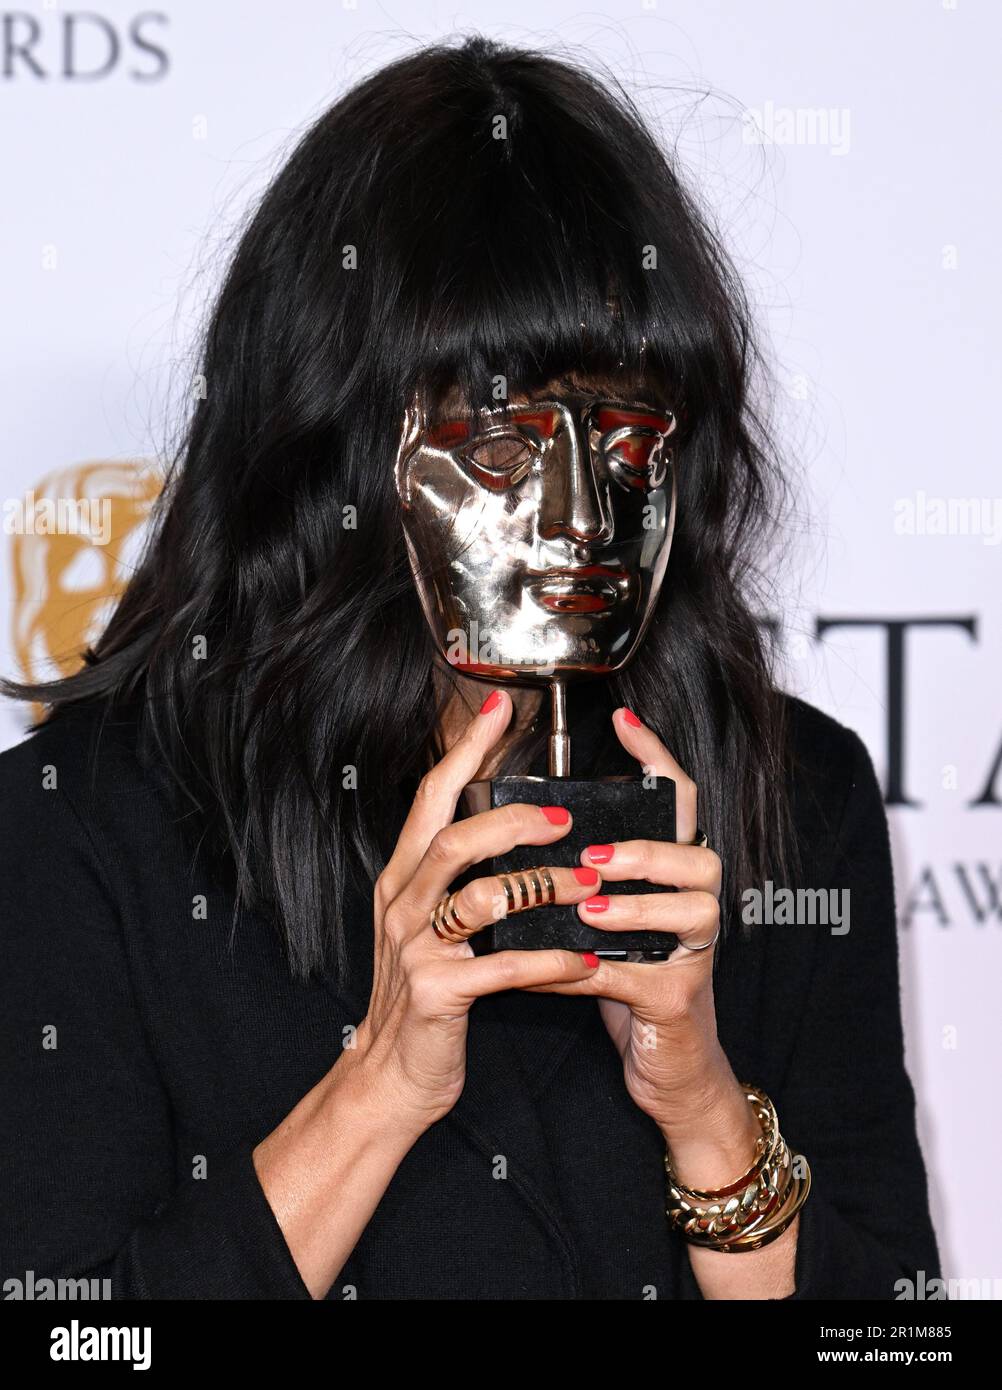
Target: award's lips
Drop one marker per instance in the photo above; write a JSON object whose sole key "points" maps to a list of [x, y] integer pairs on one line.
{"points": [[581, 589]]}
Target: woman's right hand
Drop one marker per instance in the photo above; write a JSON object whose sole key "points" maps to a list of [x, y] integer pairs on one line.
{"points": [[413, 1038]]}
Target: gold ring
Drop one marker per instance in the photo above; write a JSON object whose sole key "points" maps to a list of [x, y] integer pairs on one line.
{"points": [[523, 889], [538, 880], [446, 924]]}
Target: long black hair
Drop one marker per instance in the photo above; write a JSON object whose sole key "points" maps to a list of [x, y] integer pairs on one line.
{"points": [[469, 212]]}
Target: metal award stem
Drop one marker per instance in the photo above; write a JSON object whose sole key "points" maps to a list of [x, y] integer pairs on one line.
{"points": [[603, 811], [560, 744]]}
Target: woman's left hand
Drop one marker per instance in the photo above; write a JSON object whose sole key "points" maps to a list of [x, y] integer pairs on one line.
{"points": [[661, 1015]]}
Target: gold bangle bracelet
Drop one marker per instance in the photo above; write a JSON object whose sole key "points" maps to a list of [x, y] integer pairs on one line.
{"points": [[754, 1209], [766, 1146], [765, 1234], [724, 1218]]}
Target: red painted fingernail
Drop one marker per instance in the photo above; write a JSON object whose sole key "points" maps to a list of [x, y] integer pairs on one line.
{"points": [[492, 702], [598, 904], [556, 815], [590, 959], [588, 876], [632, 719], [600, 854]]}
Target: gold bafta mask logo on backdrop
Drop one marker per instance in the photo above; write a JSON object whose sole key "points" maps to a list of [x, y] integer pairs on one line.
{"points": [[76, 537]]}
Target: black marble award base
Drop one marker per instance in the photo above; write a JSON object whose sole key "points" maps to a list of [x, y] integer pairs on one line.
{"points": [[604, 811]]}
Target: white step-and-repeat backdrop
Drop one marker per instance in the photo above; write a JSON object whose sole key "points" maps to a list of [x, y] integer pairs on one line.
{"points": [[850, 151]]}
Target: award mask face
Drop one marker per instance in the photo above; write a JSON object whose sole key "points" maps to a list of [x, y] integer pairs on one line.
{"points": [[539, 536]]}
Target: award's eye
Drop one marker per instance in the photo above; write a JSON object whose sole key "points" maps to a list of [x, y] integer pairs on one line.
{"points": [[500, 460], [634, 445], [448, 434]]}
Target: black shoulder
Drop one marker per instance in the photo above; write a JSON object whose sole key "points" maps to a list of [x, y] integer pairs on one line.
{"points": [[815, 738], [830, 775], [87, 751]]}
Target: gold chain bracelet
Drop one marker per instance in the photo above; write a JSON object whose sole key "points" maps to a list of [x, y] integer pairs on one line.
{"points": [[752, 1210]]}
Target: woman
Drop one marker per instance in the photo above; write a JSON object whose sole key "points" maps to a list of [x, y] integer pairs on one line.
{"points": [[250, 1058]]}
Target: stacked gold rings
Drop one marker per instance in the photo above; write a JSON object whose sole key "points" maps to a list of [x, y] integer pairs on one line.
{"points": [[541, 882], [754, 1209], [523, 890], [446, 923]]}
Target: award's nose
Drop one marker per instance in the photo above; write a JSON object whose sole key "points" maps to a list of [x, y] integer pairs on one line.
{"points": [[573, 506]]}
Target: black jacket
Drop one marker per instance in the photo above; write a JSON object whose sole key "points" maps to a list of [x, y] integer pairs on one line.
{"points": [[144, 1056]]}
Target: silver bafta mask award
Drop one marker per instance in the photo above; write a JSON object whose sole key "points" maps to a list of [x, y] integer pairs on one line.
{"points": [[538, 536]]}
